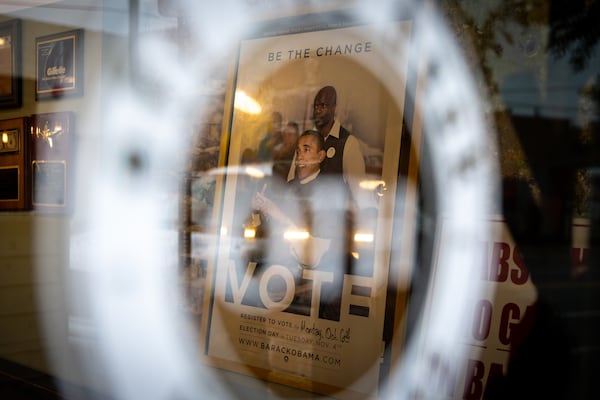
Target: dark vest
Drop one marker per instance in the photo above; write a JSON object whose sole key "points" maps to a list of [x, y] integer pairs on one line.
{"points": [[335, 164]]}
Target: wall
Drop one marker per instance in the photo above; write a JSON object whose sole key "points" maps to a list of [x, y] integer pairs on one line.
{"points": [[36, 317]]}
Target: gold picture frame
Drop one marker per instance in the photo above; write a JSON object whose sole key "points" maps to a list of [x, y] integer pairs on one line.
{"points": [[344, 356], [14, 165]]}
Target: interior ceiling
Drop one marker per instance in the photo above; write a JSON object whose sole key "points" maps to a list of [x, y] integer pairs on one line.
{"points": [[9, 6], [94, 15]]}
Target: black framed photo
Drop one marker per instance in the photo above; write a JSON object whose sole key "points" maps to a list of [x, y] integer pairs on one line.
{"points": [[59, 65], [10, 64]]}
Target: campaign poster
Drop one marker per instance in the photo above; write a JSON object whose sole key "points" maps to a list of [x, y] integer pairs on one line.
{"points": [[495, 311], [306, 306]]}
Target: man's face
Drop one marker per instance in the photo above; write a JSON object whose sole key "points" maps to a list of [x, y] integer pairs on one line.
{"points": [[308, 158], [289, 136], [275, 124], [323, 110]]}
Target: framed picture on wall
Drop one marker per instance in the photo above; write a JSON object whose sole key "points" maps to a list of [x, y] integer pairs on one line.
{"points": [[14, 168], [10, 64], [51, 161], [287, 298], [59, 65]]}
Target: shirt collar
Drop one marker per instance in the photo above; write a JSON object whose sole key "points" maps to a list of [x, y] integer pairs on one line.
{"points": [[310, 178]]}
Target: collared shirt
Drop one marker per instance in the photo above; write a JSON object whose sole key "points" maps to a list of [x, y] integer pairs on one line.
{"points": [[310, 178], [353, 166]]}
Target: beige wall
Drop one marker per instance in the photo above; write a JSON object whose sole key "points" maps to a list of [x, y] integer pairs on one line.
{"points": [[21, 339], [35, 276], [21, 284]]}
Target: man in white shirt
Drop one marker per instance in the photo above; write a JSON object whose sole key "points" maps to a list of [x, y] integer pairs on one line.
{"points": [[316, 207]]}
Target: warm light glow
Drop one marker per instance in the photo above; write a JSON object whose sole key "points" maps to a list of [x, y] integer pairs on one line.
{"points": [[223, 231], [2, 42], [249, 233], [295, 235], [255, 172], [371, 184], [363, 237], [246, 104], [4, 137], [355, 255]]}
